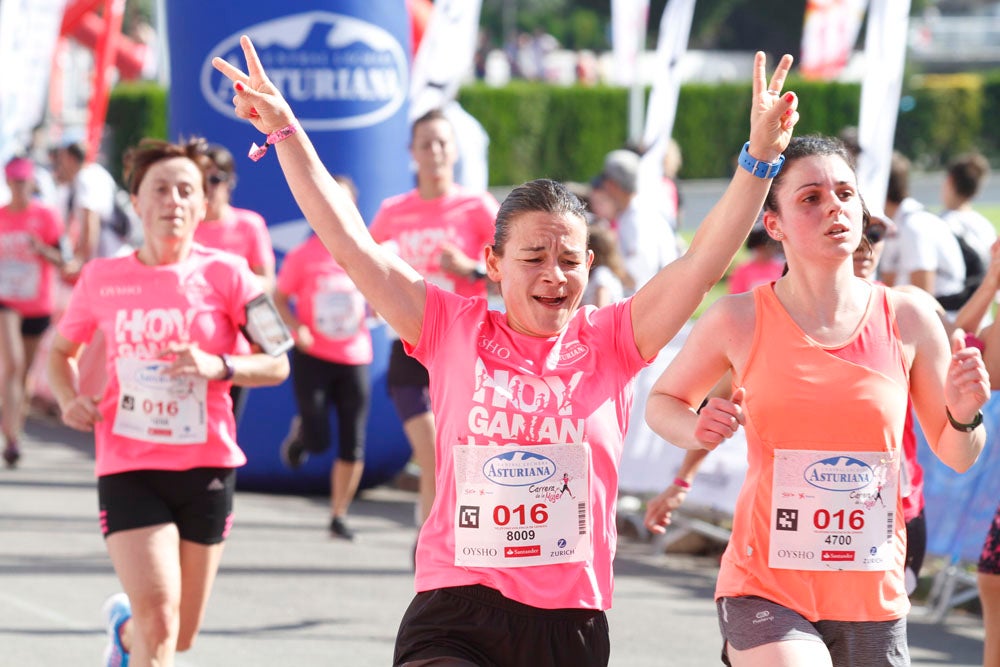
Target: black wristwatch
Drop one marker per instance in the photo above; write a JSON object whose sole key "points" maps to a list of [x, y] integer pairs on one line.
{"points": [[227, 361], [964, 428], [479, 272]]}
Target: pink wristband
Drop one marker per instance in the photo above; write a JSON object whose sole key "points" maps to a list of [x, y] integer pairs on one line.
{"points": [[681, 484], [257, 152]]}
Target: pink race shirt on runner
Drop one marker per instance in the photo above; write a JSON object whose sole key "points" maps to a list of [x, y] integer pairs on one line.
{"points": [[418, 227], [328, 303], [242, 233], [529, 440], [25, 277], [142, 309]]}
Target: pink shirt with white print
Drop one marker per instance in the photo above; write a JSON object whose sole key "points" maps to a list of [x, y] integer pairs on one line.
{"points": [[492, 386], [328, 303], [141, 309], [241, 232], [419, 227], [26, 279]]}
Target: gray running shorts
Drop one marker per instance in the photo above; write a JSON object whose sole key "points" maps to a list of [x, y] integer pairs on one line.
{"points": [[749, 622]]}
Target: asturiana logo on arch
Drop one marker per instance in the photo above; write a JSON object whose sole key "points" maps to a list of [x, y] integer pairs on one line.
{"points": [[840, 473], [338, 72], [518, 468]]}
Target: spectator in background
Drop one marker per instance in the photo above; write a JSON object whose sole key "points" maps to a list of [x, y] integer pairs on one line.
{"points": [[672, 161], [975, 234], [608, 277], [29, 249], [87, 197], [645, 235], [765, 264], [440, 229], [923, 252], [333, 350], [236, 230]]}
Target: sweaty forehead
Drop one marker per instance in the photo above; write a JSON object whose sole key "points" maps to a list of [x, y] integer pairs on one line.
{"points": [[537, 229]]}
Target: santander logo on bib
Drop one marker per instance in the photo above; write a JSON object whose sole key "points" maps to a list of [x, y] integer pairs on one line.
{"points": [[338, 72], [518, 468], [840, 473]]}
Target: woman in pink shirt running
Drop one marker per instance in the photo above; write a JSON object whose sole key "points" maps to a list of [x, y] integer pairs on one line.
{"points": [[29, 253], [164, 430], [510, 570]]}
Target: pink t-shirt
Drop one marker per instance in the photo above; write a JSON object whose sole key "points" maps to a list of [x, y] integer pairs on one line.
{"points": [[419, 227], [25, 277], [141, 309], [243, 233], [492, 386], [328, 303], [748, 275]]}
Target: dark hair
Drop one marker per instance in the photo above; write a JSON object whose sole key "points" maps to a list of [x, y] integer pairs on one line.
{"points": [[542, 195], [224, 162], [603, 241], [967, 173], [802, 147], [221, 158], [76, 150], [138, 159], [899, 179], [432, 115]]}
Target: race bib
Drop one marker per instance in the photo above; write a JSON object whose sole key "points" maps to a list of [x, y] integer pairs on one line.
{"points": [[338, 314], [157, 408], [520, 506], [19, 280], [833, 511]]}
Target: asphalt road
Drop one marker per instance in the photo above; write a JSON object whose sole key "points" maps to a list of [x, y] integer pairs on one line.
{"points": [[287, 594]]}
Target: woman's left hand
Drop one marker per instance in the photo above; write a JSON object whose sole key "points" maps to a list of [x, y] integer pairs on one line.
{"points": [[773, 114], [967, 385], [189, 359]]}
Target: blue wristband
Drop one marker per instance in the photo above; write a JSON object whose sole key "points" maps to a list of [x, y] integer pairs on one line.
{"points": [[759, 168]]}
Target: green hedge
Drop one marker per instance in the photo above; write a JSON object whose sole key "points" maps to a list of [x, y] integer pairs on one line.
{"points": [[563, 132], [135, 110]]}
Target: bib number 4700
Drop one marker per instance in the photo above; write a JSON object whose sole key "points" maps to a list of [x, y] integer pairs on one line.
{"points": [[537, 514]]}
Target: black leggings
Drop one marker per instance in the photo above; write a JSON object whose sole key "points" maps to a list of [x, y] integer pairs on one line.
{"points": [[319, 384]]}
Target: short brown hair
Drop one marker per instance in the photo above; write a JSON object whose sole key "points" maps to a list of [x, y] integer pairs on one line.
{"points": [[138, 159]]}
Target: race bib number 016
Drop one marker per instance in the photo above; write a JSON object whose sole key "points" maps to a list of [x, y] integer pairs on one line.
{"points": [[155, 407], [833, 511], [520, 506]]}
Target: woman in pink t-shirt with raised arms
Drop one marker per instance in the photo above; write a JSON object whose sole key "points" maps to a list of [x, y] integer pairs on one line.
{"points": [[164, 430], [531, 405]]}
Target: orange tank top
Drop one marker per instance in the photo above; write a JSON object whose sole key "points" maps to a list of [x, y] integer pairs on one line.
{"points": [[801, 395]]}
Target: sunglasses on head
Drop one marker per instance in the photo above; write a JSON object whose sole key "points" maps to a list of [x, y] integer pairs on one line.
{"points": [[875, 233], [215, 179]]}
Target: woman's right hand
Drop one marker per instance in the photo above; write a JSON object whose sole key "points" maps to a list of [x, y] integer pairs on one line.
{"points": [[81, 413], [256, 99], [720, 419]]}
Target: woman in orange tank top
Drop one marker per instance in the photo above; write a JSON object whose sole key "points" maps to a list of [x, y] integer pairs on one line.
{"points": [[822, 364]]}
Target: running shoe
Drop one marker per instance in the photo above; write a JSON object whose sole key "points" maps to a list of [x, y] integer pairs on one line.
{"points": [[338, 528], [293, 452], [116, 611], [11, 454]]}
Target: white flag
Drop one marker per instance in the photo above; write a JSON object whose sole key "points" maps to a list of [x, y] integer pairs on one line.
{"points": [[445, 57], [675, 28], [885, 55], [628, 36]]}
